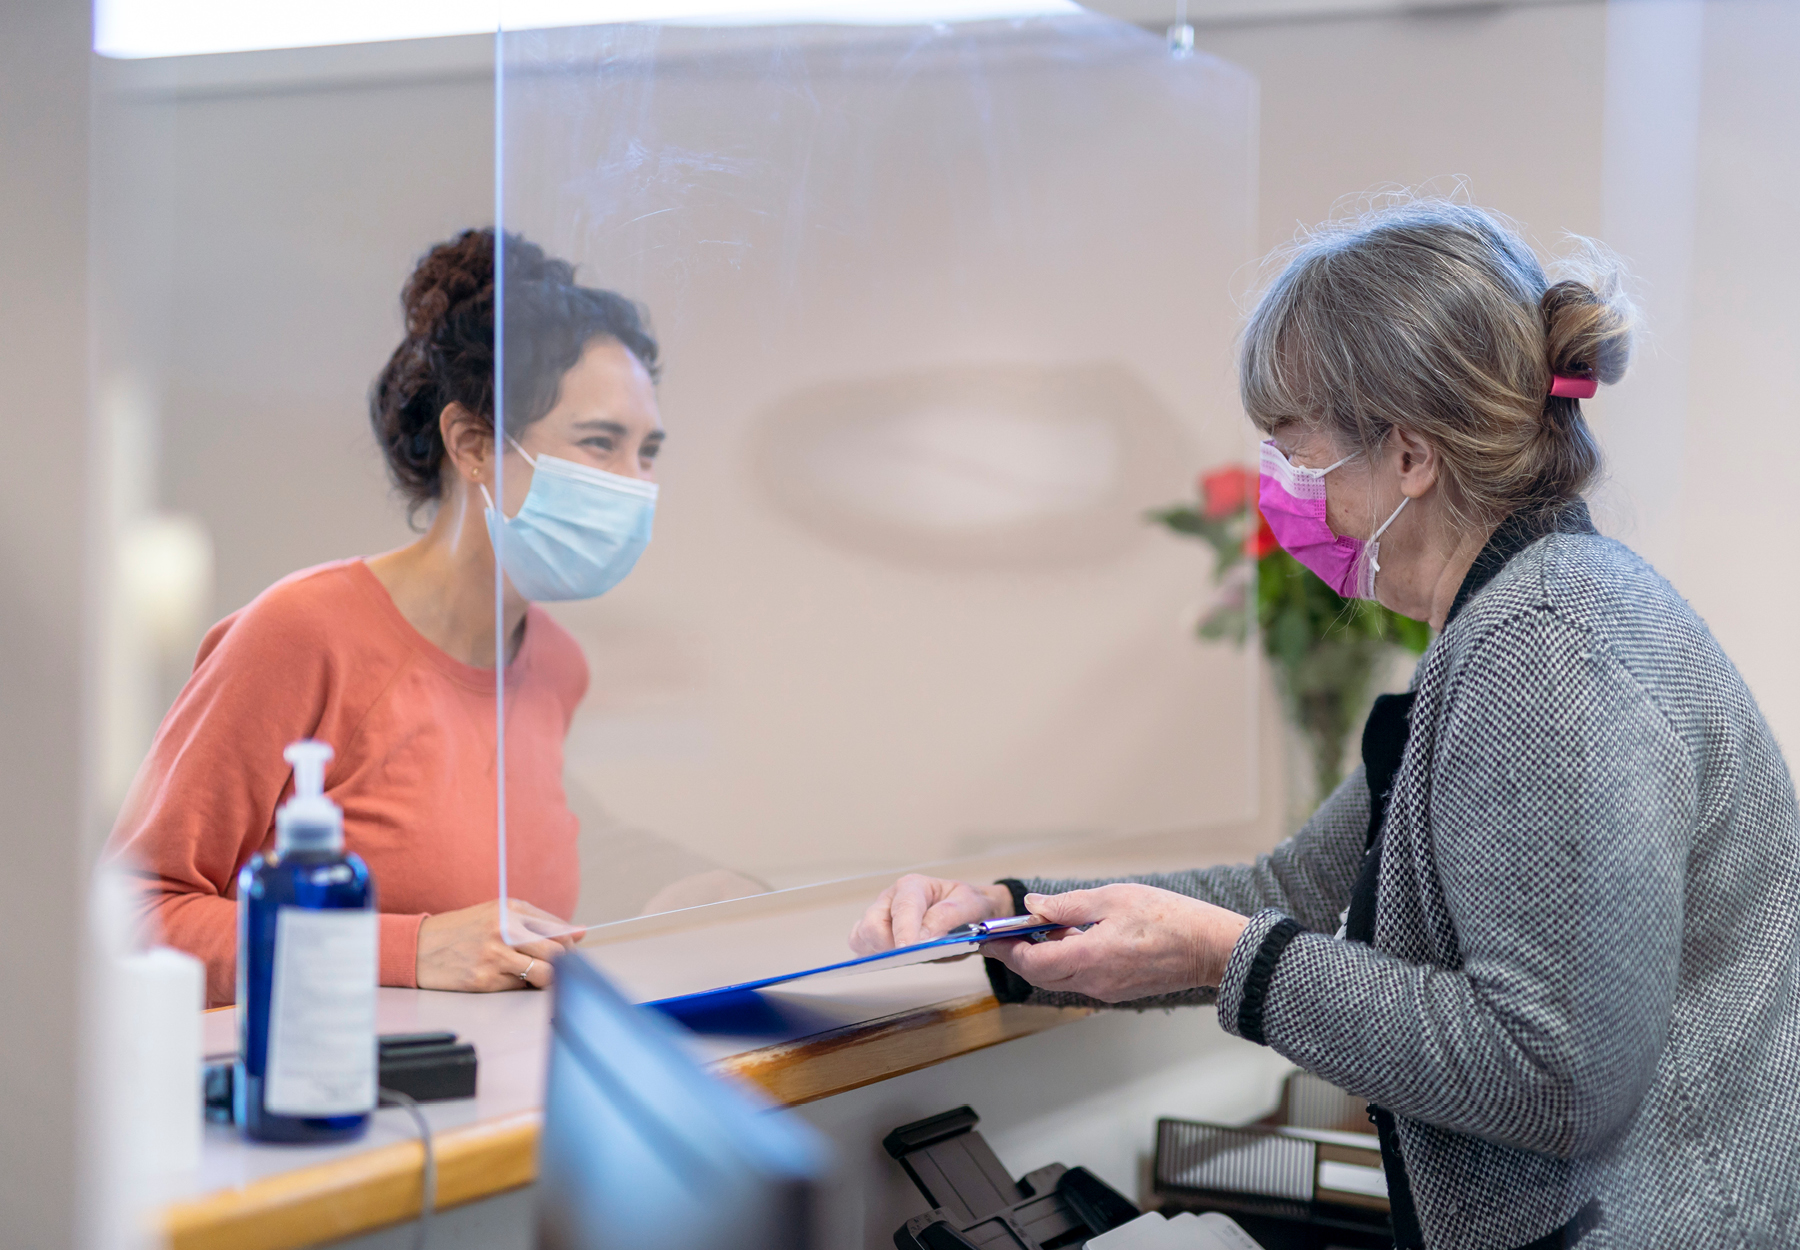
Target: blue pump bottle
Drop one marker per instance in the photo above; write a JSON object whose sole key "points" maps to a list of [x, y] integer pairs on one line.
{"points": [[306, 973]]}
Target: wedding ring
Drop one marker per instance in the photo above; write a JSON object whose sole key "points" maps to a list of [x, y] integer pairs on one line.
{"points": [[525, 976]]}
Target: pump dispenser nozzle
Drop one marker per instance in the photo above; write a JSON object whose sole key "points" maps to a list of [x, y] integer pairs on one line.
{"points": [[309, 821]]}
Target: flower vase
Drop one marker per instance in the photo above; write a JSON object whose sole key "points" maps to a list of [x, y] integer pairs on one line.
{"points": [[1326, 695]]}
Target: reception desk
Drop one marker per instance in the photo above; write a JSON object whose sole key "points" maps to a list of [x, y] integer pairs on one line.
{"points": [[835, 1035]]}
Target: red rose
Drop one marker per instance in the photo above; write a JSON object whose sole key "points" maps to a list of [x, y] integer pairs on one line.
{"points": [[1262, 541], [1226, 491]]}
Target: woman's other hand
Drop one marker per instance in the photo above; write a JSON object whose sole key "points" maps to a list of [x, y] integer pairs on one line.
{"points": [[463, 950], [917, 908], [1142, 941]]}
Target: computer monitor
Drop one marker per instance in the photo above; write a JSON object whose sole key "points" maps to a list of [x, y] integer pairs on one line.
{"points": [[643, 1148]]}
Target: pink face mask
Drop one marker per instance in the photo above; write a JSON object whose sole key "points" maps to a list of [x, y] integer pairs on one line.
{"points": [[1292, 500]]}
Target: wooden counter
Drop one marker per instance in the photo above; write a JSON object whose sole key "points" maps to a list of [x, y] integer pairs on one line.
{"points": [[840, 1034]]}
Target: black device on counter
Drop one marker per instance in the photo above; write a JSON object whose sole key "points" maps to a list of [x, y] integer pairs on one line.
{"points": [[427, 1067], [977, 1204]]}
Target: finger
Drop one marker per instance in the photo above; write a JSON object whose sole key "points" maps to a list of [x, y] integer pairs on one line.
{"points": [[523, 917], [1006, 950], [528, 964], [543, 951], [528, 972], [1046, 964], [945, 914], [567, 938], [871, 930], [1077, 907], [533, 915], [874, 932], [913, 897], [543, 973]]}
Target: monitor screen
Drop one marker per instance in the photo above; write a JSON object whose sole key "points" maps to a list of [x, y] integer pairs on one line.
{"points": [[643, 1148]]}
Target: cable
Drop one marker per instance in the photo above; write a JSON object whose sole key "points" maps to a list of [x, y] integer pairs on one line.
{"points": [[428, 1198]]}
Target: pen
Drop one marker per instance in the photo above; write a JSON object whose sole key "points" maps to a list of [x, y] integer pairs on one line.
{"points": [[1010, 926]]}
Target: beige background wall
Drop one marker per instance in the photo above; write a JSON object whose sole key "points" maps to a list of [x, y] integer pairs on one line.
{"points": [[43, 511], [929, 308], [1737, 513], [278, 199]]}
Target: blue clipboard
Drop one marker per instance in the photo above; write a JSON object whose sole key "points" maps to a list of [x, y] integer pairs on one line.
{"points": [[959, 941]]}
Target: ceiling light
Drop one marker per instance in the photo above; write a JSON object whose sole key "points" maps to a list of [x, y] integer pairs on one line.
{"points": [[153, 28]]}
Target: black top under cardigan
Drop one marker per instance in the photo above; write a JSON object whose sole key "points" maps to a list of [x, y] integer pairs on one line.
{"points": [[1383, 746]]}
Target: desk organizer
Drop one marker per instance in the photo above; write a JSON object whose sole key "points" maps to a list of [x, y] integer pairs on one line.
{"points": [[1291, 1188]]}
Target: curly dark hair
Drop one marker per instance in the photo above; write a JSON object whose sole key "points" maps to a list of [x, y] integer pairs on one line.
{"points": [[447, 355]]}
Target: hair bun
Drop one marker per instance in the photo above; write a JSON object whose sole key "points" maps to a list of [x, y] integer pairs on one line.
{"points": [[1588, 320], [447, 354], [452, 273]]}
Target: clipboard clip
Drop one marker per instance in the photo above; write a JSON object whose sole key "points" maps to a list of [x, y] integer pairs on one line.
{"points": [[1027, 926]]}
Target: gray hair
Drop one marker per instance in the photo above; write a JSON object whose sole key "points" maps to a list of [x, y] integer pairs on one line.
{"points": [[1436, 317]]}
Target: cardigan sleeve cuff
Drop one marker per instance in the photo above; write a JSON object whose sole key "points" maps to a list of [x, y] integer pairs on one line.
{"points": [[400, 949], [1009, 986], [1251, 970], [1019, 890]]}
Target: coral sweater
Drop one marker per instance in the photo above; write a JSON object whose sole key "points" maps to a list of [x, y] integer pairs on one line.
{"points": [[325, 654]]}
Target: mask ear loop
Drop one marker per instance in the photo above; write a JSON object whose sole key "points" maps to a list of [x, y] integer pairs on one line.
{"points": [[1328, 468], [1373, 547], [1311, 472], [529, 459]]}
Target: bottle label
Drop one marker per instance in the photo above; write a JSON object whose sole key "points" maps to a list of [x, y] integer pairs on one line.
{"points": [[322, 1013]]}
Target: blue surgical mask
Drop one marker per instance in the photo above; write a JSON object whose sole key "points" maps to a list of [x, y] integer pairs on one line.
{"points": [[579, 533]]}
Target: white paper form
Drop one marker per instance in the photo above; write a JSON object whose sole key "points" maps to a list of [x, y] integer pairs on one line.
{"points": [[965, 940]]}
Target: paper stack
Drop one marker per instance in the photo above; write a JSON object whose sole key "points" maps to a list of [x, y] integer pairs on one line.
{"points": [[1186, 1231]]}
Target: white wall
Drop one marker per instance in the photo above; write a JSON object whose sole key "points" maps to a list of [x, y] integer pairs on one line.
{"points": [[1509, 99], [43, 151], [263, 209], [1738, 513]]}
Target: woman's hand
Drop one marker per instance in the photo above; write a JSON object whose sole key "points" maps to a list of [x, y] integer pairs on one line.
{"points": [[1143, 941], [462, 950], [916, 908]]}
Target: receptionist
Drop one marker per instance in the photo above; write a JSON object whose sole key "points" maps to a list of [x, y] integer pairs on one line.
{"points": [[1549, 928], [390, 659]]}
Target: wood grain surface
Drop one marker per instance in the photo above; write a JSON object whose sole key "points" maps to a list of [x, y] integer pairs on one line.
{"points": [[313, 1205]]}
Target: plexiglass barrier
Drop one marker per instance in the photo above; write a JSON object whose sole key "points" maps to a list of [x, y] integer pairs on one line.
{"points": [[939, 311]]}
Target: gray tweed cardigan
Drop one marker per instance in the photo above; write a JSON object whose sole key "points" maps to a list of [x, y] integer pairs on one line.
{"points": [[1585, 978]]}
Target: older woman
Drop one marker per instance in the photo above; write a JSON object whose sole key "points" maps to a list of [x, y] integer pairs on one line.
{"points": [[1549, 927]]}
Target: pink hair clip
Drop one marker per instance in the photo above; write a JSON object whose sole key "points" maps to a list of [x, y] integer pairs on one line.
{"points": [[1564, 387]]}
